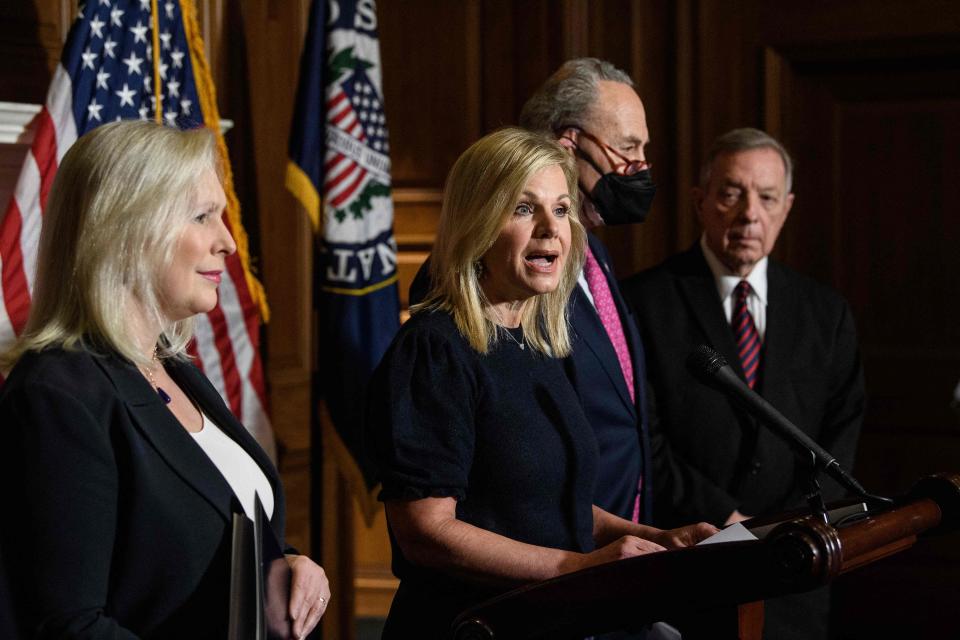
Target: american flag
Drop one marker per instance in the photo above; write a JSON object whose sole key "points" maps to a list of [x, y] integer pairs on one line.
{"points": [[121, 61]]}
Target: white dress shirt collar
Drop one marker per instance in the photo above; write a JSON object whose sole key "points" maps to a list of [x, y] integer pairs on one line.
{"points": [[727, 281]]}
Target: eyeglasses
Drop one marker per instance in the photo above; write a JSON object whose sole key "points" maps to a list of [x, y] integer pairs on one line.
{"points": [[625, 166]]}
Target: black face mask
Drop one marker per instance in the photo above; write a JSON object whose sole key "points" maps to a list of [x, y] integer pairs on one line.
{"points": [[624, 199]]}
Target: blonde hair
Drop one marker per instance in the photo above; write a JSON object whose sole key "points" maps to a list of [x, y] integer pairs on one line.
{"points": [[480, 195], [121, 197]]}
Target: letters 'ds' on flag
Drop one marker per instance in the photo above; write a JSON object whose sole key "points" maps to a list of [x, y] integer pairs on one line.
{"points": [[122, 60], [340, 171]]}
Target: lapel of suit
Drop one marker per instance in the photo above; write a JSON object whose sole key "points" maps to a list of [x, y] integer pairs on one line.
{"points": [[590, 330], [699, 291], [192, 380], [205, 395], [780, 335], [164, 432]]}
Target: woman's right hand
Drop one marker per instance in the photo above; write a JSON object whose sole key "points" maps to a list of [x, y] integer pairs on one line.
{"points": [[619, 549]]}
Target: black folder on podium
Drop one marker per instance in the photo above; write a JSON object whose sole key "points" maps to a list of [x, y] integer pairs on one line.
{"points": [[259, 581]]}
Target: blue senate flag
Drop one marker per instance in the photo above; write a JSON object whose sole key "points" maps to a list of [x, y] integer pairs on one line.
{"points": [[339, 170]]}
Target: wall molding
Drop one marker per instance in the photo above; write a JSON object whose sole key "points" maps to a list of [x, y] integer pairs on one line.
{"points": [[15, 119]]}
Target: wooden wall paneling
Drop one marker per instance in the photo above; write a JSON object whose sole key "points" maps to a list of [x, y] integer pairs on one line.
{"points": [[612, 37], [430, 53], [813, 143], [686, 102], [873, 126], [222, 27], [727, 69], [374, 582], [653, 38], [871, 143], [902, 251], [576, 26], [640, 38], [11, 161], [610, 29], [521, 44], [272, 34], [506, 43], [273, 52], [433, 78], [851, 21], [32, 33], [417, 212]]}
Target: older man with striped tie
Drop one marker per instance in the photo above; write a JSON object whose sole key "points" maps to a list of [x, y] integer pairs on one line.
{"points": [[792, 339]]}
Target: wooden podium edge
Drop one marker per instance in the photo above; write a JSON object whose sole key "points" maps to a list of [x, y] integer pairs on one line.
{"points": [[796, 556]]}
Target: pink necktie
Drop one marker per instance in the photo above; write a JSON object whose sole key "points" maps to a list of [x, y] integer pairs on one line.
{"points": [[607, 310]]}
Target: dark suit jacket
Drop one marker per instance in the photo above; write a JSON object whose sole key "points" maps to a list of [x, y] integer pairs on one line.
{"points": [[709, 456], [117, 523], [619, 423]]}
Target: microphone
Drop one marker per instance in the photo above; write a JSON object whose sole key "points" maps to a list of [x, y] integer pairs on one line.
{"points": [[712, 369]]}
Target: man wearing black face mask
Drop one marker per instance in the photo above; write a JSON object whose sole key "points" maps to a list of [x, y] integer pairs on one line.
{"points": [[622, 195], [590, 106]]}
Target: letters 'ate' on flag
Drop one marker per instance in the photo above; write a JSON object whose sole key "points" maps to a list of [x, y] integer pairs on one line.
{"points": [[123, 61], [340, 171]]}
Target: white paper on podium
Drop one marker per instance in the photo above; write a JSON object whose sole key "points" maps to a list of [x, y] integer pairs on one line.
{"points": [[734, 533]]}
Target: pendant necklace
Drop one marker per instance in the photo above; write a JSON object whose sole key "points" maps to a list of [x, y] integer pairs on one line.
{"points": [[519, 343], [149, 370]]}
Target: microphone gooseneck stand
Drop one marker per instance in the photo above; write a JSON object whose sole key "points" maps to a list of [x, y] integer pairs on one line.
{"points": [[712, 369]]}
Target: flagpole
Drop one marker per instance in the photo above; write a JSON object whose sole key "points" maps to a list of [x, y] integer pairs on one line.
{"points": [[157, 89]]}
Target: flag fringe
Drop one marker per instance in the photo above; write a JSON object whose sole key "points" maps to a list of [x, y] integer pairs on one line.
{"points": [[211, 115], [157, 89], [300, 185], [362, 292]]}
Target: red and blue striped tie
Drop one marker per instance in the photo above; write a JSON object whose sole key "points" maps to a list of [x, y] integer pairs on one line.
{"points": [[746, 335]]}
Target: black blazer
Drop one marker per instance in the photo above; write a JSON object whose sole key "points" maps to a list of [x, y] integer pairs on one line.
{"points": [[710, 457], [117, 524], [621, 425]]}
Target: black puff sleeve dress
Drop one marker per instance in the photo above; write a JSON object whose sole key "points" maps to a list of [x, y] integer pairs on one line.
{"points": [[503, 433]]}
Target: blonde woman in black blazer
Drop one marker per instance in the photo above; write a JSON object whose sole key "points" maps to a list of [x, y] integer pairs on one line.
{"points": [[120, 465]]}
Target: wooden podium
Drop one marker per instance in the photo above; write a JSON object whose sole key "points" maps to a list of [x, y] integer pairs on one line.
{"points": [[722, 585]]}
